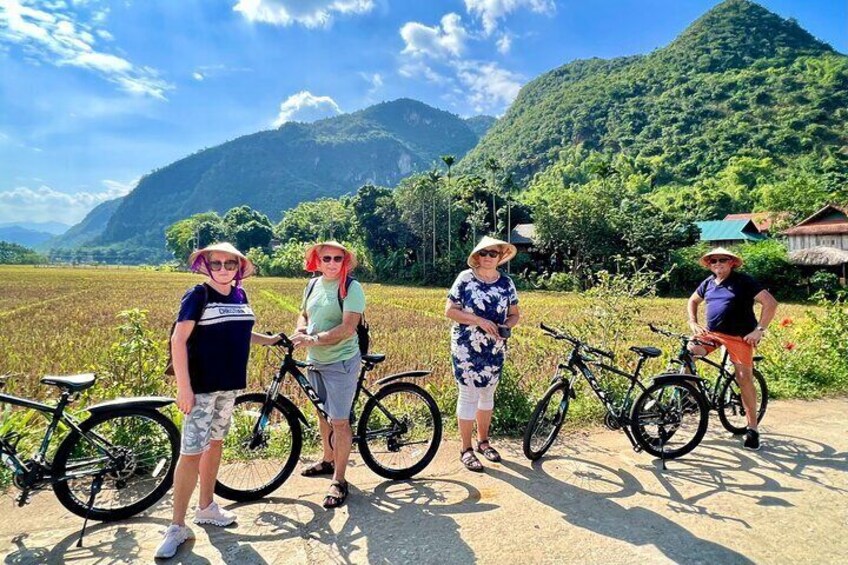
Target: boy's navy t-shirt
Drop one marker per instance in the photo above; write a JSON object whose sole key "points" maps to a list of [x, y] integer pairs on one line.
{"points": [[220, 342], [730, 305]]}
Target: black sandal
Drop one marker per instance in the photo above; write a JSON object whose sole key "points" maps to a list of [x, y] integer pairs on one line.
{"points": [[333, 501], [490, 452], [470, 460], [319, 468]]}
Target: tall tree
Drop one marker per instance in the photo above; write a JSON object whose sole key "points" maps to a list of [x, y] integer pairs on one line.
{"points": [[449, 160], [493, 167]]}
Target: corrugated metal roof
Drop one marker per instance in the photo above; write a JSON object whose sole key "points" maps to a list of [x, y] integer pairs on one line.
{"points": [[829, 220], [729, 230]]}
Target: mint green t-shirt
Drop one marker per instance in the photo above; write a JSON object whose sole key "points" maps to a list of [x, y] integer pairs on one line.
{"points": [[323, 314]]}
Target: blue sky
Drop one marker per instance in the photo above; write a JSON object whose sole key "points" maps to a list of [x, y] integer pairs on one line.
{"points": [[94, 94]]}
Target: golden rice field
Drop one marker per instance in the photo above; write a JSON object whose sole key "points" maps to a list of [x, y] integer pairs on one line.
{"points": [[61, 320]]}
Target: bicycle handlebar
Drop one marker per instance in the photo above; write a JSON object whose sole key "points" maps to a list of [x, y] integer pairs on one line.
{"points": [[560, 335], [690, 339]]}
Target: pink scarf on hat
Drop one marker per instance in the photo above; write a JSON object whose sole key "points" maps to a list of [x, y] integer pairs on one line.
{"points": [[313, 262]]}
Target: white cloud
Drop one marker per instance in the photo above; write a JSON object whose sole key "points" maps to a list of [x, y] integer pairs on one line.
{"points": [[492, 11], [197, 76], [440, 41], [504, 43], [419, 69], [44, 204], [58, 38], [308, 13], [375, 80], [306, 107], [489, 87]]}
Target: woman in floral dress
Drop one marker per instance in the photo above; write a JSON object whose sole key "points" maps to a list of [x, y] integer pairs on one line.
{"points": [[483, 304]]}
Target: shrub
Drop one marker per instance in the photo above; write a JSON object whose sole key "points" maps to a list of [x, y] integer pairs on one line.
{"points": [[809, 358], [768, 262], [825, 283]]}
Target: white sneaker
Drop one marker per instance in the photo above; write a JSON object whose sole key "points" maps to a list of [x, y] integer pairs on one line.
{"points": [[174, 537], [215, 515]]}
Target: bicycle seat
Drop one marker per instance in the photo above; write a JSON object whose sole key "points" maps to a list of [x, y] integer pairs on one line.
{"points": [[72, 383], [646, 351], [374, 358], [758, 358]]}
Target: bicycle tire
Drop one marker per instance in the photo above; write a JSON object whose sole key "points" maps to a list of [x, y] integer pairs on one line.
{"points": [[538, 417], [650, 444], [75, 445], [433, 436], [724, 407], [280, 416]]}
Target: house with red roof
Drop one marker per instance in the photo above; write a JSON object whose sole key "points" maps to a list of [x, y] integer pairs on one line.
{"points": [[821, 241]]}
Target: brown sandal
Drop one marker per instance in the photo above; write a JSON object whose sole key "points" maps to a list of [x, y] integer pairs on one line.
{"points": [[489, 452], [319, 468], [333, 500], [470, 460]]}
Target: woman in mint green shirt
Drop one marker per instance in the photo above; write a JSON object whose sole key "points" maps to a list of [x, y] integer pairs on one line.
{"points": [[328, 331]]}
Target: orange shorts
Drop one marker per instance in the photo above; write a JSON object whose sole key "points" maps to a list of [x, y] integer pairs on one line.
{"points": [[740, 351]]}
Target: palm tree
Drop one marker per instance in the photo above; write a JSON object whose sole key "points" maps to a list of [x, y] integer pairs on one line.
{"points": [[449, 160], [434, 177], [493, 167]]}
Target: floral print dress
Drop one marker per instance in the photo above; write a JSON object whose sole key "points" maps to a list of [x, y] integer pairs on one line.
{"points": [[478, 357]]}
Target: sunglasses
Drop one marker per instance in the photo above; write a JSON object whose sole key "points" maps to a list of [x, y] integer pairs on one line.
{"points": [[229, 264], [720, 261], [333, 258], [487, 253]]}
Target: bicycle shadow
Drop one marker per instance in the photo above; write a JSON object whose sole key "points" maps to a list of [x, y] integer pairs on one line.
{"points": [[99, 546], [406, 522], [236, 545], [601, 514], [720, 466]]}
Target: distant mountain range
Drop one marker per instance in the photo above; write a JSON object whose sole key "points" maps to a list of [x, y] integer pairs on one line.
{"points": [[273, 171], [740, 81], [30, 234]]}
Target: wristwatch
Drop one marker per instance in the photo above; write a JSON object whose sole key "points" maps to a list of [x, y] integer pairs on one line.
{"points": [[760, 328]]}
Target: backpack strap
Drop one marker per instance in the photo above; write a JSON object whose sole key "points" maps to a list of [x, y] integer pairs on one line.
{"points": [[309, 287]]}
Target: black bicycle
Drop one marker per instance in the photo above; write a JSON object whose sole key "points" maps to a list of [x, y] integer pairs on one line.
{"points": [[398, 431], [667, 419], [112, 465], [723, 395]]}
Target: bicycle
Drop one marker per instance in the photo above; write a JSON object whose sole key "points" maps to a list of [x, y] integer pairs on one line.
{"points": [[722, 395], [126, 448], [398, 431], [655, 421]]}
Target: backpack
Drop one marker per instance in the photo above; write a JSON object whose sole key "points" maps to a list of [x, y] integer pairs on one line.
{"points": [[362, 328], [169, 368]]}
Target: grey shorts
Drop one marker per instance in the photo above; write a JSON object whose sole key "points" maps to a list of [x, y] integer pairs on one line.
{"points": [[209, 420], [335, 384]]}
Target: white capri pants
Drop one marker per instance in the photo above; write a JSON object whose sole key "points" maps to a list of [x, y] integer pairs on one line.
{"points": [[472, 398]]}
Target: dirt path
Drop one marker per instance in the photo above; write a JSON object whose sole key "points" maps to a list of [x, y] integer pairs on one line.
{"points": [[592, 500]]}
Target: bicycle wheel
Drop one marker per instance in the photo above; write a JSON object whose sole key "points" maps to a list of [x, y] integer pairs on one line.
{"points": [[670, 418], [399, 431], [260, 450], [546, 421], [145, 445], [730, 410]]}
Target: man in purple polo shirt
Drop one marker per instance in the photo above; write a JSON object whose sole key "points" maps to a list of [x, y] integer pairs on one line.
{"points": [[731, 322]]}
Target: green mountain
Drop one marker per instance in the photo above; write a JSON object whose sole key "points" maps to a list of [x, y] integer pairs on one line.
{"points": [[87, 230], [272, 171], [740, 81], [481, 124]]}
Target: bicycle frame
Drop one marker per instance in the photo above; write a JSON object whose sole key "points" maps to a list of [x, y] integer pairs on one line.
{"points": [[578, 364], [687, 363], [56, 415], [291, 366]]}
